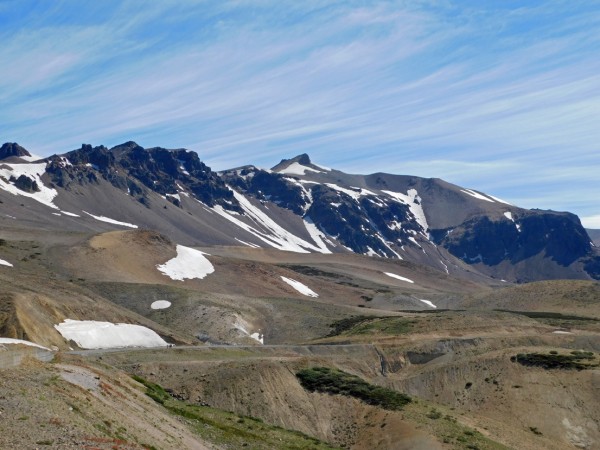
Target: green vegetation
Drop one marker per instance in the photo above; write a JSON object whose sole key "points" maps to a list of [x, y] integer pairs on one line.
{"points": [[342, 325], [333, 381], [222, 427], [575, 361], [558, 320], [360, 325]]}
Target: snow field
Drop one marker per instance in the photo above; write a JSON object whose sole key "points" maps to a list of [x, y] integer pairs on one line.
{"points": [[90, 334], [189, 263], [10, 341], [412, 199], [33, 171], [266, 229], [300, 287], [109, 220], [160, 304], [398, 277], [298, 169], [428, 303]]}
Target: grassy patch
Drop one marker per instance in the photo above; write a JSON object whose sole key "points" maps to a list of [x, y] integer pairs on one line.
{"points": [[360, 325], [576, 360], [558, 320], [333, 381], [222, 427]]}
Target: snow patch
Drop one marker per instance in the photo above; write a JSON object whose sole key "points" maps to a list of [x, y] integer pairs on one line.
{"points": [[249, 244], [298, 169], [90, 334], [5, 263], [300, 287], [241, 325], [499, 200], [427, 302], [477, 195], [509, 216], [10, 341], [189, 263], [317, 235], [109, 220], [561, 332], [355, 193], [67, 213], [274, 234], [32, 171], [412, 199], [160, 304], [398, 277]]}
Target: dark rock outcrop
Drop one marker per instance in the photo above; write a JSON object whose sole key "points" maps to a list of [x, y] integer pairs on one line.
{"points": [[12, 149]]}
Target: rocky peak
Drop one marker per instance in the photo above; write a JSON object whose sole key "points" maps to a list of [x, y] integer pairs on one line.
{"points": [[12, 149], [302, 159]]}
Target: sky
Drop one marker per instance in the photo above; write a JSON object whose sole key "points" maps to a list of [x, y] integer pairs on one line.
{"points": [[498, 96]]}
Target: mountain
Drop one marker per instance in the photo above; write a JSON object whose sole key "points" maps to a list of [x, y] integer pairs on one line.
{"points": [[296, 206]]}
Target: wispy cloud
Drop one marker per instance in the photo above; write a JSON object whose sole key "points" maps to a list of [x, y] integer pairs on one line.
{"points": [[496, 98]]}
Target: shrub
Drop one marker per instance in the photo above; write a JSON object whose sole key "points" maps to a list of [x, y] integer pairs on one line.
{"points": [[333, 381]]}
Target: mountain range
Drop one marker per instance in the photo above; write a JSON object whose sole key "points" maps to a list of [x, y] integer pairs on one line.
{"points": [[296, 206]]}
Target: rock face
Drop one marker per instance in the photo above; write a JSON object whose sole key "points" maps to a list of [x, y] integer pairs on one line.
{"points": [[137, 170], [559, 235], [12, 149]]}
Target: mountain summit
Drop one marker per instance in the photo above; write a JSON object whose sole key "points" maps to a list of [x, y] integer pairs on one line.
{"points": [[10, 149]]}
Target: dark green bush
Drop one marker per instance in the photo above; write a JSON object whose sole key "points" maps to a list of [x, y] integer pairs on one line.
{"points": [[333, 381]]}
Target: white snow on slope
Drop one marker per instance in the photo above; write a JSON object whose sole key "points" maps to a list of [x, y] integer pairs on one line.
{"points": [[189, 263], [67, 213], [427, 302], [398, 277], [499, 200], [90, 334], [270, 231], [306, 192], [31, 158], [412, 199], [325, 168], [249, 244], [509, 216], [300, 287], [355, 194], [160, 304], [561, 332], [363, 191], [10, 341], [317, 235], [477, 195], [33, 171], [5, 263], [241, 325], [109, 220], [298, 169]]}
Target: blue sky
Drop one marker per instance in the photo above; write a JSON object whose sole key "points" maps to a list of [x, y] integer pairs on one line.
{"points": [[502, 97]]}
